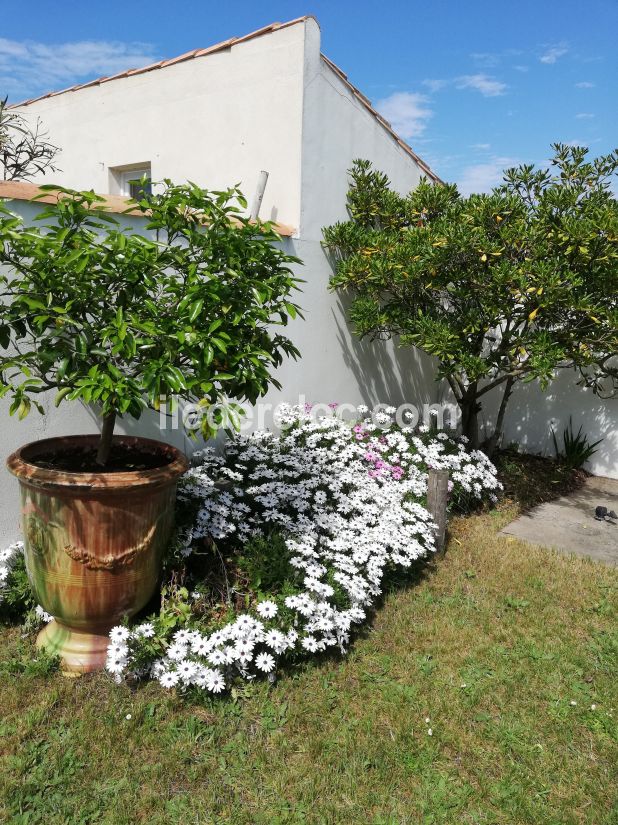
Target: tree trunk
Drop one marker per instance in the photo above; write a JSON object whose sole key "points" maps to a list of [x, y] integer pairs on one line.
{"points": [[470, 426], [105, 444], [494, 440], [470, 409]]}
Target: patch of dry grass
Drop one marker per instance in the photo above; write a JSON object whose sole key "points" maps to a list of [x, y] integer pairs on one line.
{"points": [[493, 644]]}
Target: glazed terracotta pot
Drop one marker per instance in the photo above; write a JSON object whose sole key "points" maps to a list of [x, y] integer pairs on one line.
{"points": [[93, 542]]}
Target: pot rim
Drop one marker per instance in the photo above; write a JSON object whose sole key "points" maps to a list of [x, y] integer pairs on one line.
{"points": [[20, 465]]}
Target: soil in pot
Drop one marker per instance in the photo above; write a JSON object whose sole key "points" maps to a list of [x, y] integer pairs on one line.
{"points": [[123, 458]]}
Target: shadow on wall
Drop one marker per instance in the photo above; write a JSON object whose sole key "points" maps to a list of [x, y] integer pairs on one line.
{"points": [[532, 413], [384, 371]]}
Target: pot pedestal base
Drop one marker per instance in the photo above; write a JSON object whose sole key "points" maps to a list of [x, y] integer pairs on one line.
{"points": [[80, 651]]}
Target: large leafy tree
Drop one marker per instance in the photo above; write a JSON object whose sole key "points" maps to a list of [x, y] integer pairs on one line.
{"points": [[504, 287], [121, 318]]}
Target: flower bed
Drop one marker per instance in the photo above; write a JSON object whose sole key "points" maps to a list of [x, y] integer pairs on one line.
{"points": [[284, 542]]}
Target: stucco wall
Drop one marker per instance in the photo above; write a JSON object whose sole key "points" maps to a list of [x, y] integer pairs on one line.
{"points": [[337, 129], [335, 364], [533, 412], [216, 120]]}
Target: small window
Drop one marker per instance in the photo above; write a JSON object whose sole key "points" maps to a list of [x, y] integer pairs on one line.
{"points": [[125, 180], [131, 185]]}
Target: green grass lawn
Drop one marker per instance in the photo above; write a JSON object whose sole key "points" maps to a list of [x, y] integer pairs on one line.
{"points": [[509, 652]]}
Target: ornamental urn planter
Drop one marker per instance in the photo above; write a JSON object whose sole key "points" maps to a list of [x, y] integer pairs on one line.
{"points": [[93, 540]]}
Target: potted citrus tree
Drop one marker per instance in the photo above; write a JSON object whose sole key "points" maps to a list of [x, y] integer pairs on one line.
{"points": [[122, 318]]}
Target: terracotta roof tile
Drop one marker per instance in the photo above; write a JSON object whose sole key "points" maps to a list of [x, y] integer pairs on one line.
{"points": [[218, 47], [113, 77], [272, 27], [180, 59], [59, 92], [141, 69], [96, 82]]}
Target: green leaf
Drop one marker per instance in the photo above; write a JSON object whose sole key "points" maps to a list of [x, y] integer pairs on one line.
{"points": [[195, 310], [24, 408], [62, 394], [62, 369]]}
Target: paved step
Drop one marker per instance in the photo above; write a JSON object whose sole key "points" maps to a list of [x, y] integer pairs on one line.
{"points": [[568, 524]]}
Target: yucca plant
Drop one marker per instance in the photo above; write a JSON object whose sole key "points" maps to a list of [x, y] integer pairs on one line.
{"points": [[576, 449]]}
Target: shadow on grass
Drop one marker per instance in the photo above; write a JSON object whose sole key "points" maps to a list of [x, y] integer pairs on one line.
{"points": [[395, 582]]}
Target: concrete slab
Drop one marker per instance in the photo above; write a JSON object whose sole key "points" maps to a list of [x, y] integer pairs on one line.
{"points": [[568, 524]]}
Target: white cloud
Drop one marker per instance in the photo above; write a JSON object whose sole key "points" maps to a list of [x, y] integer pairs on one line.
{"points": [[407, 112], [434, 85], [28, 67], [486, 85], [584, 115], [487, 59], [553, 53], [584, 84], [521, 68], [482, 177], [481, 147], [583, 141]]}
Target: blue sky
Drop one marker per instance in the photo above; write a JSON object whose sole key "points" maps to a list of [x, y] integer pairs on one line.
{"points": [[472, 85]]}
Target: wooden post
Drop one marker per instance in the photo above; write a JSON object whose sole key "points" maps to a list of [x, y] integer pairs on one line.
{"points": [[437, 495]]}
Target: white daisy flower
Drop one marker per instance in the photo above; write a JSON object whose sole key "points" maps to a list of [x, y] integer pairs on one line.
{"points": [[215, 682], [217, 657], [186, 670], [145, 630], [119, 634], [265, 662], [169, 678], [42, 614], [244, 648], [267, 609]]}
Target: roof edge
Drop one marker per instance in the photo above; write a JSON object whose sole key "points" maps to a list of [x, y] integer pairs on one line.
{"points": [[227, 44], [364, 101]]}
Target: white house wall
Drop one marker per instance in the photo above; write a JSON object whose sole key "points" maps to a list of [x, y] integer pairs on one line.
{"points": [[335, 364], [337, 129], [216, 120]]}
